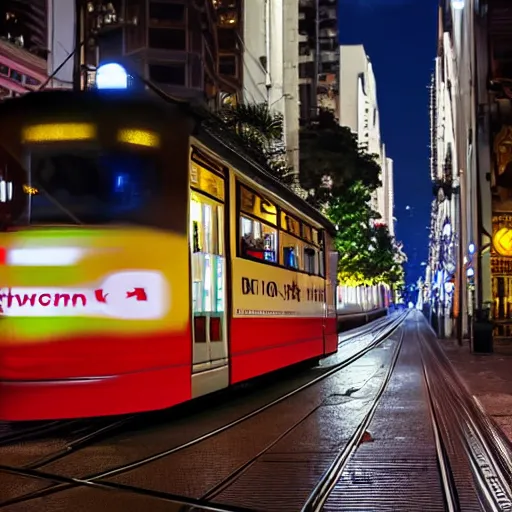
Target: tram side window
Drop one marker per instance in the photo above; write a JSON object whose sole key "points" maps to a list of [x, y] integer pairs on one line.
{"points": [[206, 217], [310, 260], [258, 241], [291, 251], [321, 264]]}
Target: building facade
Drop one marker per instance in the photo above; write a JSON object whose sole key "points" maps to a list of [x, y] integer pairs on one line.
{"points": [[20, 71], [359, 111], [25, 24], [328, 51], [271, 64], [190, 50], [319, 57], [472, 163]]}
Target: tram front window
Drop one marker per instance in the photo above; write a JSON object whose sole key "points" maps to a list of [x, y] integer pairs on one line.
{"points": [[92, 187]]}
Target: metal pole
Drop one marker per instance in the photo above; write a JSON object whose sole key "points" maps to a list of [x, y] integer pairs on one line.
{"points": [[77, 63], [460, 273]]}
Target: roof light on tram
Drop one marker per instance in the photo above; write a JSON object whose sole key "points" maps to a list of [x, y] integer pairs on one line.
{"points": [[60, 132], [139, 137], [111, 76]]}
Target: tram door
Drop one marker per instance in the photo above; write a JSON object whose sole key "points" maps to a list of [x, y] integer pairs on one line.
{"points": [[208, 275]]}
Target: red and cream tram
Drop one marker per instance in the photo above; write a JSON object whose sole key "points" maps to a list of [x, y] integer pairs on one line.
{"points": [[145, 261]]}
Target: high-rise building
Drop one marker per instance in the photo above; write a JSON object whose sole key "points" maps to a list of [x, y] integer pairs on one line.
{"points": [[318, 57], [469, 273], [308, 65], [271, 62], [328, 51], [359, 111], [22, 45], [24, 22], [20, 71], [189, 49]]}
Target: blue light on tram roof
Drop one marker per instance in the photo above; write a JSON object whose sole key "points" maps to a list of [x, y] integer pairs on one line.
{"points": [[111, 76]]}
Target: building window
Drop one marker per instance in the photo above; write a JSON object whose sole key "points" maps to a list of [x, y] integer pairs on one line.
{"points": [[167, 39], [4, 92], [291, 252], [32, 81], [227, 39], [310, 260], [17, 77], [227, 65], [258, 241], [304, 49], [169, 74], [166, 14], [4, 70], [228, 18]]}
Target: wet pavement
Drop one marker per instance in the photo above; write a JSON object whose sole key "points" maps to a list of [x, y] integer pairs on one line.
{"points": [[370, 434], [488, 377]]}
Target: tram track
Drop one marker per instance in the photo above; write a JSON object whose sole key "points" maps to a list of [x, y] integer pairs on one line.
{"points": [[488, 464], [78, 434], [13, 432], [322, 498], [61, 483], [322, 490]]}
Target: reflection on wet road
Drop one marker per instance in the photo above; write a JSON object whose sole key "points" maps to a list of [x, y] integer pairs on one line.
{"points": [[384, 429]]}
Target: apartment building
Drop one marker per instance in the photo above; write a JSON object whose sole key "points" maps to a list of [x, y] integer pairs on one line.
{"points": [[359, 111], [319, 57]]}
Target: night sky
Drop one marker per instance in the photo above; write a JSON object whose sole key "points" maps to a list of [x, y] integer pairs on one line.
{"points": [[400, 38]]}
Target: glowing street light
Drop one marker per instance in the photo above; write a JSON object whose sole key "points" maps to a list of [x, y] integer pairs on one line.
{"points": [[458, 5], [111, 76]]}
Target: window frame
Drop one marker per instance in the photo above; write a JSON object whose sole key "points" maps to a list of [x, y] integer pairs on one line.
{"points": [[303, 242], [263, 223]]}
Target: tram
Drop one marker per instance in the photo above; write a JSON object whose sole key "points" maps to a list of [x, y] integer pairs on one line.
{"points": [[145, 260]]}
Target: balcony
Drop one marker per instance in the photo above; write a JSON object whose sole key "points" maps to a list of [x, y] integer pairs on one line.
{"points": [[332, 56], [307, 4], [328, 33], [327, 13]]}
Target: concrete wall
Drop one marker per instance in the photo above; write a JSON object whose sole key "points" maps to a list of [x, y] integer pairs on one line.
{"points": [[61, 41]]}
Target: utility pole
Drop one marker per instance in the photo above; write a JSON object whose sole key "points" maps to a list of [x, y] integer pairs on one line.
{"points": [[79, 38]]}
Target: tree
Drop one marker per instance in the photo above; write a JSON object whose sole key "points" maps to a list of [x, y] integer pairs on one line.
{"points": [[340, 177], [367, 252], [332, 161], [260, 131]]}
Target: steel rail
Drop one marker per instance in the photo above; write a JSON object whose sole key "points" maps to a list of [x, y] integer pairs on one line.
{"points": [[322, 490], [67, 483]]}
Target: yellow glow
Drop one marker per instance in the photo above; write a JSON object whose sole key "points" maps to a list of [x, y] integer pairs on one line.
{"points": [[30, 190], [502, 241], [139, 137], [53, 132]]}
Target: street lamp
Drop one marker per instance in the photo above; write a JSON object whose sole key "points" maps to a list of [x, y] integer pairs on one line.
{"points": [[111, 76]]}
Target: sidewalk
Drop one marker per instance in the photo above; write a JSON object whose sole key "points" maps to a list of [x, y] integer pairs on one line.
{"points": [[488, 377]]}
